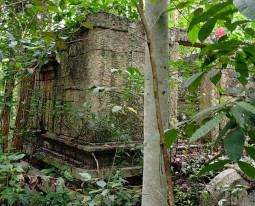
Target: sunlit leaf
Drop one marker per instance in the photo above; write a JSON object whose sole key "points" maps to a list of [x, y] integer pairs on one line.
{"points": [[86, 176], [116, 109], [101, 183], [132, 110], [49, 34], [87, 25]]}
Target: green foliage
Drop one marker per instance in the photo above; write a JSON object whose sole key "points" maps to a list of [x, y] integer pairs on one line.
{"points": [[193, 82], [170, 136], [214, 166], [226, 52], [109, 191], [188, 185], [204, 129]]}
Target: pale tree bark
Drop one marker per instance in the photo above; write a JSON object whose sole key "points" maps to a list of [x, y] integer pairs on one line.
{"points": [[176, 18], [155, 191]]}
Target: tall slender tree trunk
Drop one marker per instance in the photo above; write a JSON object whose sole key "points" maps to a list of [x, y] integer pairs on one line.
{"points": [[24, 95], [154, 177], [6, 112]]}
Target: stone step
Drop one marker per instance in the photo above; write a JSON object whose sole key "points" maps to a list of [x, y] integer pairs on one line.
{"points": [[85, 153], [47, 158]]}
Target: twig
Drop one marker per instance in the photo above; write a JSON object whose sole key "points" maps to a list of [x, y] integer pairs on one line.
{"points": [[8, 5], [28, 26], [157, 104], [113, 163], [159, 194], [141, 193], [34, 68], [180, 11], [98, 169]]}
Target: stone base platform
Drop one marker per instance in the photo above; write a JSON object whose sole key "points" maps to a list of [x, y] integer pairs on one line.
{"points": [[78, 157]]}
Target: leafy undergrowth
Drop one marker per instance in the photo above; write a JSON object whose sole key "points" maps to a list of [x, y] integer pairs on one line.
{"points": [[109, 191], [187, 184]]}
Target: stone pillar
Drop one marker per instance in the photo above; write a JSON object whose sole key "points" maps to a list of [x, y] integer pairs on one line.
{"points": [[209, 96]]}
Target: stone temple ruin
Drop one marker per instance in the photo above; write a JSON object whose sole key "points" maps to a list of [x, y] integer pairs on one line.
{"points": [[115, 42]]}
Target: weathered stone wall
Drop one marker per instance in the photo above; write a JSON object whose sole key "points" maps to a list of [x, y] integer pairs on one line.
{"points": [[115, 42]]}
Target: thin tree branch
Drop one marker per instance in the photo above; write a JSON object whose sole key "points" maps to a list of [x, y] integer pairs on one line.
{"points": [[8, 5], [28, 26], [180, 11], [157, 103]]}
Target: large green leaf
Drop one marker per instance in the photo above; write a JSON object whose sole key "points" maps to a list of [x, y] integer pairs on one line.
{"points": [[223, 132], [190, 129], [247, 106], [246, 7], [231, 44], [235, 90], [233, 26], [101, 183], [234, 144], [252, 135], [247, 169], [215, 166], [182, 4], [242, 68], [250, 51], [206, 29], [209, 13], [238, 116], [206, 128], [49, 34], [251, 152], [193, 82], [170, 136], [87, 25], [209, 109], [193, 33], [214, 76]]}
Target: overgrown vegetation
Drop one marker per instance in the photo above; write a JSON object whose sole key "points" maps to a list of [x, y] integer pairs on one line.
{"points": [[31, 30]]}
